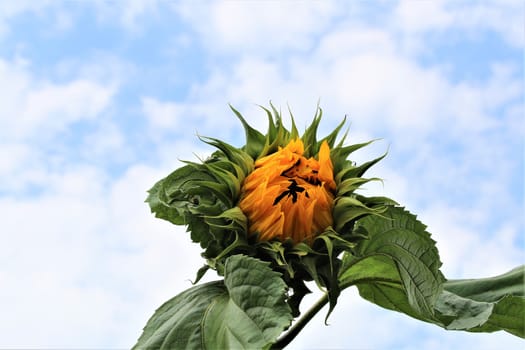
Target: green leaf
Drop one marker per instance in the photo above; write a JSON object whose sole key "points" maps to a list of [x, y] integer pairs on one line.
{"points": [[176, 323], [167, 199], [247, 310], [161, 209], [397, 267], [486, 304], [378, 281], [492, 288], [508, 315]]}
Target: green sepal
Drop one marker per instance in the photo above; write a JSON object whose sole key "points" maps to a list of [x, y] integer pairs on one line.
{"points": [[234, 155], [219, 190], [254, 139], [229, 174], [352, 171], [330, 272], [309, 137], [376, 201], [294, 133], [277, 135], [348, 209], [332, 137], [200, 273], [340, 154], [350, 185], [231, 219]]}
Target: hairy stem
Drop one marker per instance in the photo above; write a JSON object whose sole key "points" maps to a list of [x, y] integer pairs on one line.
{"points": [[308, 315], [301, 322]]}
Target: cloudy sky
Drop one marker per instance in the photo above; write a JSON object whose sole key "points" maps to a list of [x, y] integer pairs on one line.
{"points": [[100, 99]]}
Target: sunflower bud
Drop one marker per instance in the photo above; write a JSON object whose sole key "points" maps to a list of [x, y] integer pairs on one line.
{"points": [[285, 198]]}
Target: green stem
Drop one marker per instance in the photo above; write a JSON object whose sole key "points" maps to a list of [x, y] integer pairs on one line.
{"points": [[301, 322], [306, 317]]}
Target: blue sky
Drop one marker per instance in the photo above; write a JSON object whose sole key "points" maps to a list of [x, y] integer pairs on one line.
{"points": [[101, 99]]}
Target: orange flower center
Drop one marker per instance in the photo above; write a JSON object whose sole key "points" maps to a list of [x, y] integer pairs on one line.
{"points": [[288, 196]]}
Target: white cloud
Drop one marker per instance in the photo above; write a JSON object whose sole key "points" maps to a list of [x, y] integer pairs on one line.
{"points": [[106, 139], [12, 157], [35, 107], [134, 9], [68, 255], [417, 16], [268, 28], [36, 115], [350, 39], [380, 90], [422, 17], [161, 115], [105, 68], [10, 9], [468, 248], [63, 21], [56, 16], [175, 124], [130, 15], [388, 90], [55, 106], [260, 27], [45, 250]]}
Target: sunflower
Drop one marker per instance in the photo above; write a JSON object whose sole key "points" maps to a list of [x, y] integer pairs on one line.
{"points": [[285, 198]]}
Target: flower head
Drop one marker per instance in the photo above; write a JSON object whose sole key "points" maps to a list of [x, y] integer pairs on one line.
{"points": [[285, 198], [289, 196]]}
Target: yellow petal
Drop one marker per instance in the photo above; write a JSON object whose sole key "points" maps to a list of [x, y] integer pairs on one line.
{"points": [[288, 196]]}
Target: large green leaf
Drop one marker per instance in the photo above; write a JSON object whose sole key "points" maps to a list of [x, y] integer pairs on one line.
{"points": [[378, 281], [378, 271], [247, 310], [397, 267], [486, 304]]}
